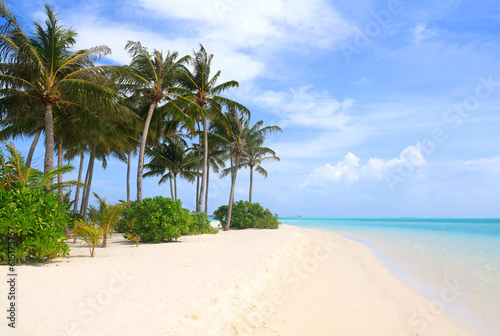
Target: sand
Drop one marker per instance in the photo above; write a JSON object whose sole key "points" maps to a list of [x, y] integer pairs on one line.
{"points": [[289, 281]]}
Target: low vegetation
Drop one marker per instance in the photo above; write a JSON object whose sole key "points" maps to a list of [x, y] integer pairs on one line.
{"points": [[161, 219], [246, 215], [34, 221]]}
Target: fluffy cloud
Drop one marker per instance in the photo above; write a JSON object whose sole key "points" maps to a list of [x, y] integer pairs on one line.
{"points": [[349, 170], [254, 23], [245, 36], [306, 107]]}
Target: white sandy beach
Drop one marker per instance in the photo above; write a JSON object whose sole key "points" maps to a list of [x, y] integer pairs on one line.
{"points": [[289, 281]]}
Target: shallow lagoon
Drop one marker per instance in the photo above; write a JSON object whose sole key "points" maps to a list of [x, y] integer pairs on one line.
{"points": [[429, 254]]}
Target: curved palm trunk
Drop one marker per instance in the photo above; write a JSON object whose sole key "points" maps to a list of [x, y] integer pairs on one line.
{"points": [[59, 163], [231, 194], [171, 189], [84, 192], [206, 191], [205, 163], [251, 184], [90, 172], [128, 176], [49, 139], [77, 192], [32, 148], [140, 165]]}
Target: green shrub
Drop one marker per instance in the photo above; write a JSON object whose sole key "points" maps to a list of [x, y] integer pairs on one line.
{"points": [[162, 219], [200, 224], [247, 215], [156, 219], [35, 220]]}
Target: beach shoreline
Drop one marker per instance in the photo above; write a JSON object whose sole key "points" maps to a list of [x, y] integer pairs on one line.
{"points": [[290, 281]]}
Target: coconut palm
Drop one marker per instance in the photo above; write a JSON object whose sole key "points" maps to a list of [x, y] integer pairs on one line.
{"points": [[234, 130], [42, 67], [206, 95], [172, 159], [253, 158], [153, 75], [216, 156]]}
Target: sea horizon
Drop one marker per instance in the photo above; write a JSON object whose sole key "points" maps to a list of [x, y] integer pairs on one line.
{"points": [[430, 254]]}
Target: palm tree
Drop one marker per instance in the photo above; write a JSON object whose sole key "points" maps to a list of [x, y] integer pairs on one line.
{"points": [[154, 76], [172, 159], [41, 67], [253, 158], [206, 95], [234, 130], [216, 156], [13, 171]]}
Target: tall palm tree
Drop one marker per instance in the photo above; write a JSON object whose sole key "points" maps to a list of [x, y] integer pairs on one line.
{"points": [[42, 67], [253, 158], [153, 75], [172, 159], [206, 95], [235, 131]]}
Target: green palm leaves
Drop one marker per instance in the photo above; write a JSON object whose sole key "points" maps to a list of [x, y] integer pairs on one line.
{"points": [[42, 68], [239, 138], [205, 93], [172, 159], [14, 171], [155, 76]]}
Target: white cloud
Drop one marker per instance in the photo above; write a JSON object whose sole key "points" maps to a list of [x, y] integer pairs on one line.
{"points": [[254, 23], [491, 164], [306, 108], [343, 171], [421, 33], [244, 36], [349, 170]]}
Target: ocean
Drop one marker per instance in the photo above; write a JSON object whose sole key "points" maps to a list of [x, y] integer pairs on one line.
{"points": [[429, 254]]}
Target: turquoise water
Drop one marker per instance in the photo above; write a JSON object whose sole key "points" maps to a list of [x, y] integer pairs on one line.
{"points": [[428, 254]]}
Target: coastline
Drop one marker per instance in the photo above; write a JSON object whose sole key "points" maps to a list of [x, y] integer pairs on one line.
{"points": [[290, 281]]}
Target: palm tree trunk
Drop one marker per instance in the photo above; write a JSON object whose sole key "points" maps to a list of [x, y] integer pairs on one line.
{"points": [[59, 163], [140, 165], [128, 176], [251, 184], [206, 191], [32, 148], [175, 186], [49, 139], [231, 194], [205, 163], [84, 193], [198, 175], [77, 192], [171, 189], [90, 171]]}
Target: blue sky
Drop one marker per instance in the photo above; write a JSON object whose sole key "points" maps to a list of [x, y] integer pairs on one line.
{"points": [[388, 108]]}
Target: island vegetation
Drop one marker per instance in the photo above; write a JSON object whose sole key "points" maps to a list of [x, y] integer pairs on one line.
{"points": [[163, 107]]}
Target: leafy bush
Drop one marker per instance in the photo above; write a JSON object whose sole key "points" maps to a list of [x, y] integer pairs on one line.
{"points": [[155, 219], [247, 215], [162, 219], [35, 220], [200, 224]]}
